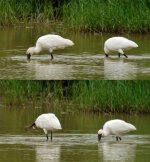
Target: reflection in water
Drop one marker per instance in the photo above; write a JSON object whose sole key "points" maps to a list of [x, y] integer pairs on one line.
{"points": [[117, 151], [118, 69], [74, 148], [47, 153], [50, 70], [64, 67]]}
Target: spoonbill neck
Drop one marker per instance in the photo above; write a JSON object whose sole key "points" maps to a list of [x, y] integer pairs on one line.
{"points": [[37, 49]]}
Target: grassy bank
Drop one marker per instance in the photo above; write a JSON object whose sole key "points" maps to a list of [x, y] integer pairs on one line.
{"points": [[109, 15], [89, 15], [14, 12], [102, 96]]}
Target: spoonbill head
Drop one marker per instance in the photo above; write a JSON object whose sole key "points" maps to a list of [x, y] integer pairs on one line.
{"points": [[30, 51], [119, 45], [46, 122], [48, 43], [115, 127]]}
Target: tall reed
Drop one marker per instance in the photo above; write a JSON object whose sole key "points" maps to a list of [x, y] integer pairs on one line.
{"points": [[16, 11], [103, 96], [82, 15], [113, 96], [108, 15]]}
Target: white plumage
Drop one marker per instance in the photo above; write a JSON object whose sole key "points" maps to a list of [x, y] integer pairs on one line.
{"points": [[118, 44], [46, 122], [115, 127], [49, 43]]}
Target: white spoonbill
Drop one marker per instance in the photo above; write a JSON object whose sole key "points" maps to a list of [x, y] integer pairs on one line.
{"points": [[118, 44], [49, 43], [46, 122], [115, 127]]}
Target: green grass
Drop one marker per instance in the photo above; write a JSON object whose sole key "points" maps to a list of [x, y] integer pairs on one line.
{"points": [[103, 96], [108, 15], [82, 15], [114, 96], [22, 11]]}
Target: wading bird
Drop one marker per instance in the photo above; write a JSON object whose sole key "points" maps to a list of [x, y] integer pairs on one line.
{"points": [[46, 122], [115, 127], [118, 44], [48, 43]]}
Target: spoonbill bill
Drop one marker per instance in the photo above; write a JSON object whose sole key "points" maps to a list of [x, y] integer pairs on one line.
{"points": [[115, 127], [118, 44], [48, 43], [46, 122]]}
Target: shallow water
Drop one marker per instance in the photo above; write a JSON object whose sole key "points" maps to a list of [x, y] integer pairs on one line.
{"points": [[76, 142], [74, 147], [85, 60]]}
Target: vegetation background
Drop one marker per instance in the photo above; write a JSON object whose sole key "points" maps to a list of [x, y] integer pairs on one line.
{"points": [[81, 15], [96, 96]]}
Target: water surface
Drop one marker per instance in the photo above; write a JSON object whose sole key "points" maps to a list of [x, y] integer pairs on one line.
{"points": [[85, 60], [76, 142]]}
